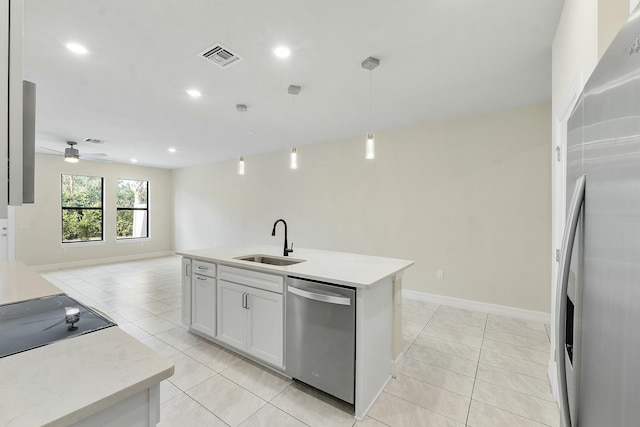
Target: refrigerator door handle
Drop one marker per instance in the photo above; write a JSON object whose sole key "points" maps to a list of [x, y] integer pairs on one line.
{"points": [[563, 280]]}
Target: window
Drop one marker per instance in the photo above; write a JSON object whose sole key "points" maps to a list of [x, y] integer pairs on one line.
{"points": [[82, 208], [132, 217]]}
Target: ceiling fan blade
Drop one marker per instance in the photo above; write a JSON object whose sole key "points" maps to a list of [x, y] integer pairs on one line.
{"points": [[53, 151], [95, 159]]}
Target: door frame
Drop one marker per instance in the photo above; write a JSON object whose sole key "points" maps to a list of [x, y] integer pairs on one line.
{"points": [[558, 207]]}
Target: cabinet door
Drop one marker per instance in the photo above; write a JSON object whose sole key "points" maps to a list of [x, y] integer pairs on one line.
{"points": [[231, 314], [186, 291], [265, 328], [203, 314]]}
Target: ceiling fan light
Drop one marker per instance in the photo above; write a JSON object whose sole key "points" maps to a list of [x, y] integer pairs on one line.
{"points": [[71, 155]]}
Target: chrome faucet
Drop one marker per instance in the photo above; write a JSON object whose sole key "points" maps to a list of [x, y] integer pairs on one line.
{"points": [[287, 251]]}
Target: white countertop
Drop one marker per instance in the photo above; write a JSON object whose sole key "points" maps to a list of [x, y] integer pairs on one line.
{"points": [[64, 382], [360, 271]]}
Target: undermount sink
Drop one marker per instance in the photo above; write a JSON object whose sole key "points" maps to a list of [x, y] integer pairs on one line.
{"points": [[269, 259]]}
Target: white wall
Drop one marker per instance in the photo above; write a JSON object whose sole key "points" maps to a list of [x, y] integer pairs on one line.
{"points": [[38, 226], [469, 196]]}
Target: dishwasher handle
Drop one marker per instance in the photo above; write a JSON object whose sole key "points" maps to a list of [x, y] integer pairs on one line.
{"points": [[331, 299]]}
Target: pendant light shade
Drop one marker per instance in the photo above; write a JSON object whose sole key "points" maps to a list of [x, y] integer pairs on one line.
{"points": [[370, 147], [294, 90], [241, 108], [241, 166]]}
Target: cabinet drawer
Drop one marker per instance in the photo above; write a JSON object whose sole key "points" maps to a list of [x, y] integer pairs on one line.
{"points": [[204, 268], [256, 279]]}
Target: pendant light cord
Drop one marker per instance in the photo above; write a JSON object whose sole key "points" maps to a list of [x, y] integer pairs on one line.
{"points": [[241, 127], [370, 103]]}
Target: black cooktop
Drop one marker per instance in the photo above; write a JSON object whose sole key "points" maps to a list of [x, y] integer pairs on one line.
{"points": [[34, 323]]}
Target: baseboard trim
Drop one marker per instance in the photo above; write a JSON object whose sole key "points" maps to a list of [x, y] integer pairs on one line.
{"points": [[502, 310], [98, 261]]}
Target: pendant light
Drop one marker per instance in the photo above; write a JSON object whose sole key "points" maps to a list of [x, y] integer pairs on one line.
{"points": [[370, 148], [241, 108], [294, 90]]}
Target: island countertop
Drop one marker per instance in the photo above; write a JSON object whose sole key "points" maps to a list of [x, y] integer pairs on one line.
{"points": [[64, 382], [355, 270]]}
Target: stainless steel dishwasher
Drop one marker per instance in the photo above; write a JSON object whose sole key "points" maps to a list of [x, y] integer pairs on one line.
{"points": [[321, 336]]}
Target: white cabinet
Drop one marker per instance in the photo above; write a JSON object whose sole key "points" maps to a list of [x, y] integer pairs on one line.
{"points": [[251, 319], [203, 297], [186, 291]]}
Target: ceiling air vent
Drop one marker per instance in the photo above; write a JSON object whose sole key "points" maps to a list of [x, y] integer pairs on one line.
{"points": [[220, 55]]}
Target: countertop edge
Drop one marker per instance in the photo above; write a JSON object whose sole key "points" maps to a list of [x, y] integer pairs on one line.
{"points": [[297, 270]]}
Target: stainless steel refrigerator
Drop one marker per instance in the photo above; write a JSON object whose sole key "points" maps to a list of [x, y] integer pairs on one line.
{"points": [[598, 334]]}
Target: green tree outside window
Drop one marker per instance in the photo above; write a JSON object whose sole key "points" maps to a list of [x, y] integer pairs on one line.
{"points": [[82, 213], [132, 217]]}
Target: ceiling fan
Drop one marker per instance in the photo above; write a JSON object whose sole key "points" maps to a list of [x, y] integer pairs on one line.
{"points": [[72, 154]]}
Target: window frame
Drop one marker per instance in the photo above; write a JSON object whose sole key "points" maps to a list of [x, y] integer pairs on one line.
{"points": [[80, 208], [118, 209]]}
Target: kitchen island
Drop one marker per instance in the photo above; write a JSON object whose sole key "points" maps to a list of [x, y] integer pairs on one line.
{"points": [[210, 275], [103, 378]]}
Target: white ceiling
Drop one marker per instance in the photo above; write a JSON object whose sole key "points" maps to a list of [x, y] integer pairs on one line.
{"points": [[439, 59]]}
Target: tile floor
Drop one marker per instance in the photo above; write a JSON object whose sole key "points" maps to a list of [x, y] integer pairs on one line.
{"points": [[461, 368]]}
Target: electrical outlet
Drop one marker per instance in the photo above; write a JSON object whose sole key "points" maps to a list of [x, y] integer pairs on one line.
{"points": [[439, 274]]}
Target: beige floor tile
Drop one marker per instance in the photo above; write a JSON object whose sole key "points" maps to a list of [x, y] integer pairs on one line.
{"points": [[419, 316], [155, 325], [260, 381], [160, 346], [411, 326], [517, 382], [188, 372], [212, 355], [270, 416], [434, 398], [494, 319], [183, 411], [538, 334], [443, 360], [516, 351], [512, 364], [179, 338], [532, 343], [439, 377], [409, 335], [135, 331], [396, 412], [227, 400], [461, 318], [450, 347], [174, 316], [168, 391], [463, 311], [539, 410], [483, 415], [422, 305], [313, 407], [456, 326], [369, 422], [449, 335], [157, 307]]}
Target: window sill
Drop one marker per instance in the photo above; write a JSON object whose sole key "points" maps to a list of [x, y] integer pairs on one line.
{"points": [[78, 244], [133, 240]]}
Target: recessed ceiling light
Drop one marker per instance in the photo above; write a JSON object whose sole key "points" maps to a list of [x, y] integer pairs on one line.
{"points": [[77, 48], [134, 160], [282, 51], [194, 93], [172, 150]]}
